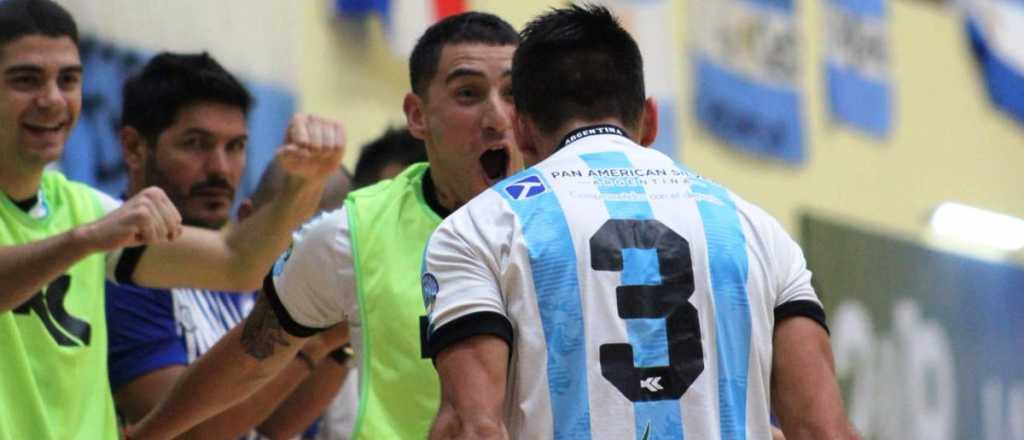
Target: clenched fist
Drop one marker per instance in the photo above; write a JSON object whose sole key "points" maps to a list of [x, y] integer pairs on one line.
{"points": [[147, 218], [312, 148]]}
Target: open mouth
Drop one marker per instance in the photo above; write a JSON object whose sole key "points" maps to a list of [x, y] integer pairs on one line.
{"points": [[495, 164], [39, 128]]}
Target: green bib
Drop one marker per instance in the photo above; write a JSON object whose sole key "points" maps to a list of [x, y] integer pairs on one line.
{"points": [[390, 224], [53, 371]]}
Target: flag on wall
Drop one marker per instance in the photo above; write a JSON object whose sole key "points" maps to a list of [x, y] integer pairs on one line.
{"points": [[651, 25], [404, 20], [747, 71], [857, 65], [996, 31]]}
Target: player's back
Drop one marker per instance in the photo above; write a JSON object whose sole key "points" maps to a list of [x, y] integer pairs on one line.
{"points": [[641, 296]]}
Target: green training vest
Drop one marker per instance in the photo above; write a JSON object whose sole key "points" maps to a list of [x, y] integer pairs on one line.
{"points": [[53, 366], [390, 224]]}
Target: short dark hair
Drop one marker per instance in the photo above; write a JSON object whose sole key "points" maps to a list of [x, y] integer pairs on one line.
{"points": [[396, 145], [577, 62], [20, 18], [468, 27], [170, 82]]}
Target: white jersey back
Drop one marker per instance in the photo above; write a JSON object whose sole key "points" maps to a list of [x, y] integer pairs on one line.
{"points": [[641, 297]]}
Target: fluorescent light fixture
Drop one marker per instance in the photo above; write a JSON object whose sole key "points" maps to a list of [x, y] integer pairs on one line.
{"points": [[978, 226]]}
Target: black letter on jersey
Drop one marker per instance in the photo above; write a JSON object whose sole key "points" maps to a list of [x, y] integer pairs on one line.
{"points": [[668, 300], [49, 305]]}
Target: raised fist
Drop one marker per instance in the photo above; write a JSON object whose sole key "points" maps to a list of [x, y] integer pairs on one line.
{"points": [[312, 148], [147, 218]]}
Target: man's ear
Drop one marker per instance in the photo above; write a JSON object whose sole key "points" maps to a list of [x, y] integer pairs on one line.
{"points": [[649, 122], [133, 147], [523, 133], [412, 105]]}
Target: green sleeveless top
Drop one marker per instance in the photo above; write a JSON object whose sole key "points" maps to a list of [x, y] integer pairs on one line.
{"points": [[53, 371], [390, 224]]}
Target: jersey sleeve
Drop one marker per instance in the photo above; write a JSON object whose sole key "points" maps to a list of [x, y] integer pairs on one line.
{"points": [[461, 273], [142, 333], [312, 286], [795, 294]]}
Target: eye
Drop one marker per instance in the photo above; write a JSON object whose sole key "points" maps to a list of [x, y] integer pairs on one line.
{"points": [[25, 81], [191, 142], [69, 80], [466, 93], [236, 146]]}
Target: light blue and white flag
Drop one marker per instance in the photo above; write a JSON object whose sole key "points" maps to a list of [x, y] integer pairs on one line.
{"points": [[996, 29], [747, 72], [857, 65]]}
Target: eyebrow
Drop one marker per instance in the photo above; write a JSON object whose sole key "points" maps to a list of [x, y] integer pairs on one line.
{"points": [[207, 133], [31, 68], [461, 72]]}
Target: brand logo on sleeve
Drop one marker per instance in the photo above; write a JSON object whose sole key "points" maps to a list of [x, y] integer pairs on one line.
{"points": [[430, 288], [525, 188]]}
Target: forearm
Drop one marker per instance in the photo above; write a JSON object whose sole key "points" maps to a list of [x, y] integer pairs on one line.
{"points": [[215, 382], [306, 403], [805, 393], [243, 417], [473, 373], [236, 258], [255, 243], [27, 268]]}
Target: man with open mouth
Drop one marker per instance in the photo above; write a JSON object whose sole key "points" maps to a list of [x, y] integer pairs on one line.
{"points": [[360, 265]]}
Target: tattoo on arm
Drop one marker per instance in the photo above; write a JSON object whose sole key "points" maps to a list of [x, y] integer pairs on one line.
{"points": [[262, 332]]}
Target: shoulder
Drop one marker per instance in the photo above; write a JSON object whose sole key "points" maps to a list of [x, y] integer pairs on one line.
{"points": [[328, 226], [408, 178]]}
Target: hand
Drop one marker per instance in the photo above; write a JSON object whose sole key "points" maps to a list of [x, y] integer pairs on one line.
{"points": [[312, 148], [147, 218]]}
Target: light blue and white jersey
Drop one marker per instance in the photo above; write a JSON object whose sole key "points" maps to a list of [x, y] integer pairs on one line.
{"points": [[639, 299]]}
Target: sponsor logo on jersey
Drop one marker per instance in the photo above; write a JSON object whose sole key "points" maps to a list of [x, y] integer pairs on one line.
{"points": [[525, 188]]}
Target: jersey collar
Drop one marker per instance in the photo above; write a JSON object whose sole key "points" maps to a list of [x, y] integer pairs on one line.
{"points": [[591, 130]]}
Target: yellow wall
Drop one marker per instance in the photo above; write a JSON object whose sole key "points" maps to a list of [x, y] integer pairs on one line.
{"points": [[947, 142]]}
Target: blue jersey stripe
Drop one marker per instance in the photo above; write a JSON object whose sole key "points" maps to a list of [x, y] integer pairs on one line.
{"points": [[553, 263], [727, 259], [649, 338]]}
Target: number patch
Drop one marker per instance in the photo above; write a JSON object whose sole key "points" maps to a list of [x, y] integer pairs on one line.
{"points": [[668, 300]]}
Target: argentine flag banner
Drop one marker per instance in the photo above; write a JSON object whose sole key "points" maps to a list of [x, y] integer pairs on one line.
{"points": [[857, 65], [747, 73], [404, 20], [996, 30]]}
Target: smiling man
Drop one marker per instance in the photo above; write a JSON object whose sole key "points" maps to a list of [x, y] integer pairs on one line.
{"points": [[360, 264], [59, 239]]}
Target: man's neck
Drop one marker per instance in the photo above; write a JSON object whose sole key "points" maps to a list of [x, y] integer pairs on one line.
{"points": [[19, 184], [432, 195]]}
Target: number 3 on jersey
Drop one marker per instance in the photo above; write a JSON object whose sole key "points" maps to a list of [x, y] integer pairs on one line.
{"points": [[668, 300]]}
